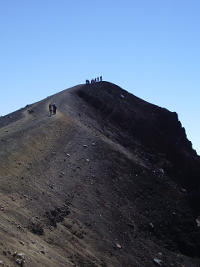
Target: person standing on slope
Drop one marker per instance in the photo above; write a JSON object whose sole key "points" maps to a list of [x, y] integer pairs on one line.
{"points": [[50, 109], [54, 109]]}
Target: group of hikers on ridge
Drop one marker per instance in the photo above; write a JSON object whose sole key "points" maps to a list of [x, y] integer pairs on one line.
{"points": [[52, 109], [96, 80]]}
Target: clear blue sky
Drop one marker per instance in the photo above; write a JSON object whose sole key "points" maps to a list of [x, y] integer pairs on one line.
{"points": [[149, 47]]}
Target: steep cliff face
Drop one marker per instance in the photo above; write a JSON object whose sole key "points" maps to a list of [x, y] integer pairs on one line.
{"points": [[156, 129], [104, 182]]}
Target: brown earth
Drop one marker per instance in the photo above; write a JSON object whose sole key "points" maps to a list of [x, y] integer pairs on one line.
{"points": [[110, 180]]}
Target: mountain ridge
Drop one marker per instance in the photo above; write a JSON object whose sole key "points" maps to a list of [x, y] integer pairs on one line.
{"points": [[101, 183]]}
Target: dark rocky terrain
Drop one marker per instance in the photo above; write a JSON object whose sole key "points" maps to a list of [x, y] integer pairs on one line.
{"points": [[110, 180]]}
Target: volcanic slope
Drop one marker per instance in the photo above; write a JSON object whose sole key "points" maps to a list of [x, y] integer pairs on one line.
{"points": [[103, 182]]}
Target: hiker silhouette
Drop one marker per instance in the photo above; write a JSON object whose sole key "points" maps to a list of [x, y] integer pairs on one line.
{"points": [[54, 109], [50, 109]]}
